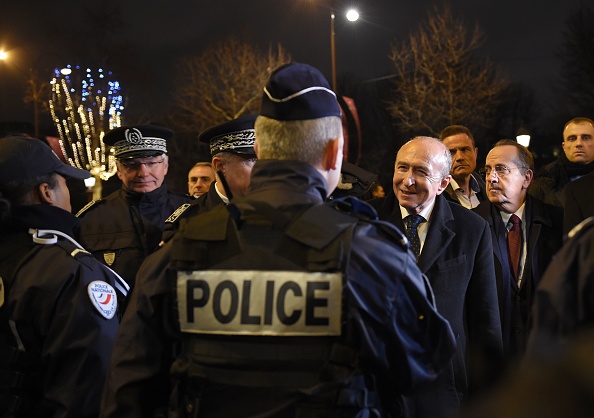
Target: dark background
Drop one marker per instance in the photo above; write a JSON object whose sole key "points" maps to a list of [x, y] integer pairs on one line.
{"points": [[522, 38]]}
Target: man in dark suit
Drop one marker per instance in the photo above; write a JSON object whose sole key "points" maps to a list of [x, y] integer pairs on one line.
{"points": [[455, 252], [509, 169], [579, 204], [466, 186]]}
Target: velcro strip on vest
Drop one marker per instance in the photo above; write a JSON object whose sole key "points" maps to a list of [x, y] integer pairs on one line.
{"points": [[262, 303]]}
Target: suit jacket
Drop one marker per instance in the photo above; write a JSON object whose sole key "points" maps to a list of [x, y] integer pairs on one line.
{"points": [[579, 204], [481, 195], [544, 238], [457, 258]]}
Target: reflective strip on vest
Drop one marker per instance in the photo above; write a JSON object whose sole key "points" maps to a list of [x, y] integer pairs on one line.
{"points": [[263, 303]]}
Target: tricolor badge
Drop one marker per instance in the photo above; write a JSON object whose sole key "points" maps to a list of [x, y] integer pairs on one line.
{"points": [[104, 298]]}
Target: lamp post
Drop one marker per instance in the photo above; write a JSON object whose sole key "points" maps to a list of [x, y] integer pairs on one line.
{"points": [[352, 15]]}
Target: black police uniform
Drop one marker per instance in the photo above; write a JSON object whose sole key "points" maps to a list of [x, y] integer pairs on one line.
{"points": [[389, 331], [564, 299], [57, 318], [123, 228], [201, 204]]}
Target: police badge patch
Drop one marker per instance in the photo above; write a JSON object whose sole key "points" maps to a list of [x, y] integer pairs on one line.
{"points": [[104, 298], [109, 258]]}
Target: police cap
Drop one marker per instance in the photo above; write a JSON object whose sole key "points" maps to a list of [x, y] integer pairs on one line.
{"points": [[138, 141], [298, 91], [236, 136], [23, 158]]}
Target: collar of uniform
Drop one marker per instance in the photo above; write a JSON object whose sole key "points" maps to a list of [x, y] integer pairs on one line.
{"points": [[43, 217], [295, 178], [154, 197]]}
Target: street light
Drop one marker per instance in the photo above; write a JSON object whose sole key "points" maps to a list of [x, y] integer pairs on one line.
{"points": [[36, 87], [352, 15], [523, 137]]}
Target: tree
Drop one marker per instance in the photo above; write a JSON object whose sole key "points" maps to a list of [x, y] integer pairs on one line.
{"points": [[84, 106], [440, 79], [222, 83], [576, 55]]}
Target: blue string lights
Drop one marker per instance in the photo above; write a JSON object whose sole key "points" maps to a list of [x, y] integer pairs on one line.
{"points": [[86, 104]]}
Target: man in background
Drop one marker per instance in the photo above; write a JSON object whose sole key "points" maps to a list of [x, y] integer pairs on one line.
{"points": [[526, 234], [576, 160], [466, 186], [199, 178]]}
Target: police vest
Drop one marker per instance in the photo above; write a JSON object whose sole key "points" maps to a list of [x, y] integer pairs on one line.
{"points": [[260, 306]]}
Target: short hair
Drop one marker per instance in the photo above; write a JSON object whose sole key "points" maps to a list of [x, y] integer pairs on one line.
{"points": [[455, 130], [17, 193], [524, 159], [579, 121], [299, 140], [202, 164]]}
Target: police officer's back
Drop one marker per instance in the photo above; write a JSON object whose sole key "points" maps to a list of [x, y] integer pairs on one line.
{"points": [[58, 305], [286, 306]]}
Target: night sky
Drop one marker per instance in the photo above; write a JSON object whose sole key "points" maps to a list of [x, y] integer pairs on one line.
{"points": [[522, 36]]}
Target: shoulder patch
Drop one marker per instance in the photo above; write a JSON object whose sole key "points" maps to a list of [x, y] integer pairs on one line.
{"points": [[103, 298], [87, 207], [177, 213]]}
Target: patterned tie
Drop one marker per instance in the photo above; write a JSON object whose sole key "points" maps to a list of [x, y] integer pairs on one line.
{"points": [[514, 244], [412, 222]]}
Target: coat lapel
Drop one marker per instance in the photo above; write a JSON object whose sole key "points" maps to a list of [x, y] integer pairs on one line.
{"points": [[439, 234]]}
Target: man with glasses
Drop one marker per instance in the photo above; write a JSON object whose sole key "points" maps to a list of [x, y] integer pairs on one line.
{"points": [[453, 249], [526, 233], [126, 226]]}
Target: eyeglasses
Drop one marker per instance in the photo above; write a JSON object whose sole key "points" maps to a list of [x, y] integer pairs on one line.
{"points": [[500, 169], [135, 165]]}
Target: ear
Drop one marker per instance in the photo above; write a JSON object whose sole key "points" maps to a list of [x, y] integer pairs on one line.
{"points": [[443, 183], [256, 147], [527, 178], [44, 194], [475, 153], [217, 164], [330, 158]]}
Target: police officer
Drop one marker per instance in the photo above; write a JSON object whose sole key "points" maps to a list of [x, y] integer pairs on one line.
{"points": [[285, 306], [232, 148], [58, 305], [126, 226]]}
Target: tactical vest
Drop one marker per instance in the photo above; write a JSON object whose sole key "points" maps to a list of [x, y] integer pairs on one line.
{"points": [[261, 307]]}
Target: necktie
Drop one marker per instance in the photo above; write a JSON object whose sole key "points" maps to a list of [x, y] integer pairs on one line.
{"points": [[412, 222], [514, 244]]}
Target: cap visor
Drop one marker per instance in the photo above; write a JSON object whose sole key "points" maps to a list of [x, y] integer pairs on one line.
{"points": [[72, 172]]}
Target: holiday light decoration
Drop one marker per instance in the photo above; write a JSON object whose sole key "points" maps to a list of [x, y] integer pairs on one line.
{"points": [[84, 106]]}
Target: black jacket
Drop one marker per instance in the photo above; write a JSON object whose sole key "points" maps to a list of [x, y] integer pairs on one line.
{"points": [[62, 333], [544, 238], [123, 228], [385, 292]]}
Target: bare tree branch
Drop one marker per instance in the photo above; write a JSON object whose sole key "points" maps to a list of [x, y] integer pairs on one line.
{"points": [[439, 78]]}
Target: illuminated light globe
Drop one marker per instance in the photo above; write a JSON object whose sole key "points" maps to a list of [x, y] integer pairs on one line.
{"points": [[84, 107], [352, 15]]}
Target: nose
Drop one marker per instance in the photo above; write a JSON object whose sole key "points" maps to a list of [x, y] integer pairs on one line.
{"points": [[409, 178], [142, 170], [492, 176]]}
